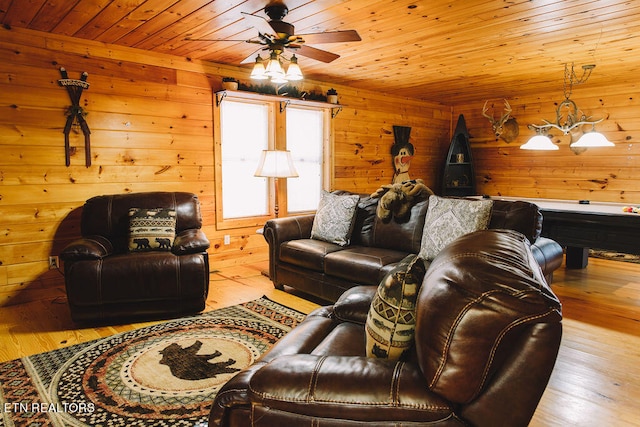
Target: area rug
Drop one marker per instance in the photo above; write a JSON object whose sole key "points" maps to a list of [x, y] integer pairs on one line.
{"points": [[614, 256], [162, 375]]}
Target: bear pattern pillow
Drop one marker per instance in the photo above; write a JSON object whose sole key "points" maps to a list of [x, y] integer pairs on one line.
{"points": [[334, 218], [390, 324], [447, 219], [151, 229]]}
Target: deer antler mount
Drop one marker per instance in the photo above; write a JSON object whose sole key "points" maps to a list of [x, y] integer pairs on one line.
{"points": [[505, 128]]}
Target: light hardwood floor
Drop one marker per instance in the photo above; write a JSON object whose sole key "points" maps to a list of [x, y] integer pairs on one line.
{"points": [[596, 381]]}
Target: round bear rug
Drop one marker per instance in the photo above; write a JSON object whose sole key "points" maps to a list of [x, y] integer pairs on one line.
{"points": [[166, 374]]}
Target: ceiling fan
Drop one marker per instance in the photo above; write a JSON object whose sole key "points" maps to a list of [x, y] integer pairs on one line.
{"points": [[277, 36]]}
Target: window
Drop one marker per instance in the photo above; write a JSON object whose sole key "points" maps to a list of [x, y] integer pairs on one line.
{"points": [[241, 146], [248, 123], [305, 140]]}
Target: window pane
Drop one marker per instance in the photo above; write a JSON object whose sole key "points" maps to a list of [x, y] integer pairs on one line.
{"points": [[305, 137], [244, 133]]}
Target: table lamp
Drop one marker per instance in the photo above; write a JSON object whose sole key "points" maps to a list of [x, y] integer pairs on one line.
{"points": [[276, 164]]}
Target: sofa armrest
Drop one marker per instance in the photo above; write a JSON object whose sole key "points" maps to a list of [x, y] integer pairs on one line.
{"points": [[89, 247], [339, 387], [279, 230], [353, 305], [190, 241]]}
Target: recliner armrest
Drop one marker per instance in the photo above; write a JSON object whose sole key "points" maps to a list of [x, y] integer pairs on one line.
{"points": [[190, 241], [89, 247], [353, 305], [323, 386]]}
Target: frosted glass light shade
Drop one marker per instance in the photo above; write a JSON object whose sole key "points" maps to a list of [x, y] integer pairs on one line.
{"points": [[539, 142], [593, 139], [293, 71], [276, 164], [258, 72], [274, 68]]}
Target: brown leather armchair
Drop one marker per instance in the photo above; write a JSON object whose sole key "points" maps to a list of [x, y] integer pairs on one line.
{"points": [[106, 281], [487, 335]]}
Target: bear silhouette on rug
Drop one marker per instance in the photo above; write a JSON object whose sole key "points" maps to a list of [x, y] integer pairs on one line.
{"points": [[185, 364]]}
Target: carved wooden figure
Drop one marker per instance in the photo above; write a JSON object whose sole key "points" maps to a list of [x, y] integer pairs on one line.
{"points": [[402, 152]]}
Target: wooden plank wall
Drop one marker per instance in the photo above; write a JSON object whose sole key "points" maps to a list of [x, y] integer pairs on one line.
{"points": [[599, 174], [152, 129]]}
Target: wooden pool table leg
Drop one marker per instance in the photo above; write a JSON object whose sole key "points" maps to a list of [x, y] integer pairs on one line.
{"points": [[577, 257]]}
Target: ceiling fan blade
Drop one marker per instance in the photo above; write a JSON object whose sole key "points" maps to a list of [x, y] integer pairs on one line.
{"points": [[317, 54], [259, 22], [251, 58], [331, 37], [216, 40]]}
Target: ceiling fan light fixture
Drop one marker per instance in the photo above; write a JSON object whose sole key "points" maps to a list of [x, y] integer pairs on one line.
{"points": [[294, 72], [258, 72], [274, 68]]}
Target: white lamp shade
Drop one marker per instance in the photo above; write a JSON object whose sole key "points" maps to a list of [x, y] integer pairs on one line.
{"points": [[593, 139], [276, 164], [539, 142]]}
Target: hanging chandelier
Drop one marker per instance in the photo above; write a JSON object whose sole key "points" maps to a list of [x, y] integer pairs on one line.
{"points": [[568, 118], [274, 71]]}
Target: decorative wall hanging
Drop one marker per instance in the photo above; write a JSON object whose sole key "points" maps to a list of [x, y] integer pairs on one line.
{"points": [[76, 113], [402, 152]]}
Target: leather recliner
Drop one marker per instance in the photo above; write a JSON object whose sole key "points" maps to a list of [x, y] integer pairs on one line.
{"points": [[104, 280], [487, 336]]}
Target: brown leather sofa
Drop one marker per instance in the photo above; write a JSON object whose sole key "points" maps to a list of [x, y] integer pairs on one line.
{"points": [[106, 281], [326, 270], [487, 336]]}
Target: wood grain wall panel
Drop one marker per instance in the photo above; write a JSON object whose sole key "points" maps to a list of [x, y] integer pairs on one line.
{"points": [[599, 174], [151, 121]]}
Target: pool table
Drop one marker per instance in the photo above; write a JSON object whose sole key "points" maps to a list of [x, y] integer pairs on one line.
{"points": [[580, 225]]}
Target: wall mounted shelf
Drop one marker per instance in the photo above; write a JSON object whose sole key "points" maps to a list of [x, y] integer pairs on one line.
{"points": [[459, 177], [283, 101]]}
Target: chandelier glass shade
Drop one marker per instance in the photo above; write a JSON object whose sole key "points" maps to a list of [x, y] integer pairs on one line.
{"points": [[274, 71], [593, 139], [539, 142]]}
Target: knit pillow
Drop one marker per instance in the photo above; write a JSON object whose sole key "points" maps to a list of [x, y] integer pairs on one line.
{"points": [[390, 325], [447, 219], [334, 218], [151, 229]]}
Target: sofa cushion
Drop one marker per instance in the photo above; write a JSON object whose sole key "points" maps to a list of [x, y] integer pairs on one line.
{"points": [[518, 215], [334, 218], [403, 235], [447, 219], [151, 229], [361, 264], [390, 325], [307, 253]]}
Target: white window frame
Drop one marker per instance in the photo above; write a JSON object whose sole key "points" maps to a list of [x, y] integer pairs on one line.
{"points": [[277, 140]]}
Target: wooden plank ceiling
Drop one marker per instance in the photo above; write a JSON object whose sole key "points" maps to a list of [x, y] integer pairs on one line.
{"points": [[446, 51]]}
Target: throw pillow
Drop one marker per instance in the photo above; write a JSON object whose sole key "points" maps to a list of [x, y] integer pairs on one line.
{"points": [[447, 219], [151, 229], [334, 218], [390, 325]]}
